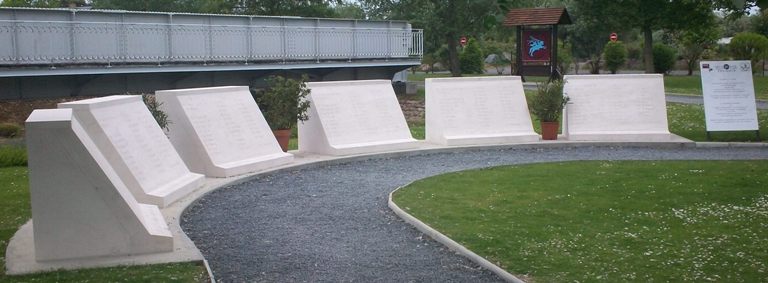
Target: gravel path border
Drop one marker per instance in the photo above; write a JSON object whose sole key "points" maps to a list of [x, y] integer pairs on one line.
{"points": [[331, 223]]}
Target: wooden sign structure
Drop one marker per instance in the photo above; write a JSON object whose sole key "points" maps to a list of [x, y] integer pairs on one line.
{"points": [[537, 40]]}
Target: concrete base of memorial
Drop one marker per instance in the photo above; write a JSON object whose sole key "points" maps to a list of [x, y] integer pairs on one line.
{"points": [[20, 252], [487, 139], [626, 137]]}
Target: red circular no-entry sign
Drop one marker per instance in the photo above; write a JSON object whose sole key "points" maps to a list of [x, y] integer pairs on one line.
{"points": [[463, 40], [614, 37]]}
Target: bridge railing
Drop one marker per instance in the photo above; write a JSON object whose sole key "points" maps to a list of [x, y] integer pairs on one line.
{"points": [[67, 42]]}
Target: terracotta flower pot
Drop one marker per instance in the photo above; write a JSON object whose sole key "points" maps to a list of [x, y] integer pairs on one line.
{"points": [[283, 136], [549, 130]]}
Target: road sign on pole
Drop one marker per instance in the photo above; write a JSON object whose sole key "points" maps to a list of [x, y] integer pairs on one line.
{"points": [[463, 41], [614, 37]]}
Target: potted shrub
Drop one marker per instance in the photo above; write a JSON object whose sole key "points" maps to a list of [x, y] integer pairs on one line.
{"points": [[548, 104], [283, 103]]}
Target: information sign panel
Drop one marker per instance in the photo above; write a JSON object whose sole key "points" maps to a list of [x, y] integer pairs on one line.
{"points": [[729, 96]]}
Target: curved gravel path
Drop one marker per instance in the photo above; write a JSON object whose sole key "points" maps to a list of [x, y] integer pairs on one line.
{"points": [[331, 223]]}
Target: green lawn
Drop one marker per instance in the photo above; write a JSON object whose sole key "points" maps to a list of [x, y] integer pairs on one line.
{"points": [[603, 221], [688, 121], [15, 211], [692, 85]]}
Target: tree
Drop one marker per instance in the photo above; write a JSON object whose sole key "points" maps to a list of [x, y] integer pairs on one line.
{"points": [[590, 30], [648, 16], [759, 23], [692, 43], [471, 59], [430, 59], [749, 46], [664, 58], [41, 3], [564, 56], [139, 5], [615, 56], [304, 8], [456, 18], [349, 11]]}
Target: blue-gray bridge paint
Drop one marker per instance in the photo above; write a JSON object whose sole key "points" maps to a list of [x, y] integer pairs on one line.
{"points": [[62, 52]]}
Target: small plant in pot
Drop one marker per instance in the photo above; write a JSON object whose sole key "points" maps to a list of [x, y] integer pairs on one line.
{"points": [[548, 104], [283, 104]]}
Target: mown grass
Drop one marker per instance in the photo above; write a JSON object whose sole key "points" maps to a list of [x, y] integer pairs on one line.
{"points": [[691, 85], [687, 120], [15, 210], [13, 155], [603, 221]]}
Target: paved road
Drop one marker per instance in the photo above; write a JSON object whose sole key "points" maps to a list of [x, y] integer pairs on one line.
{"points": [[331, 223]]}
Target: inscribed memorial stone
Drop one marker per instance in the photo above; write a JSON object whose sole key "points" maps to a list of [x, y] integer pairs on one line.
{"points": [[128, 136], [616, 108], [354, 117], [220, 131], [483, 110]]}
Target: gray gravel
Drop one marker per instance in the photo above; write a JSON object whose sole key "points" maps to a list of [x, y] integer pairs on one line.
{"points": [[331, 223]]}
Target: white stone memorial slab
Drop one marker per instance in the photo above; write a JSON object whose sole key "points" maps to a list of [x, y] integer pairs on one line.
{"points": [[219, 131], [128, 136], [729, 96], [80, 207], [616, 108], [479, 110], [354, 117]]}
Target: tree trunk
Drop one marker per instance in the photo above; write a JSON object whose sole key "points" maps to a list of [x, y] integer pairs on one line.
{"points": [[453, 56], [691, 64], [594, 65], [648, 49]]}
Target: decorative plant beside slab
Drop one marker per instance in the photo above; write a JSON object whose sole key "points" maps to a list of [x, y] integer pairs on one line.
{"points": [[284, 103], [548, 104]]}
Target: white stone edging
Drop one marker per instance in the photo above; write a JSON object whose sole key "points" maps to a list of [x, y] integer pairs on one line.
{"points": [[448, 242]]}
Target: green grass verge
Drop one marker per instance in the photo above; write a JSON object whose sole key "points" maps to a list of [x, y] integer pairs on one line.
{"points": [[692, 85], [687, 121], [13, 155], [603, 221], [15, 210]]}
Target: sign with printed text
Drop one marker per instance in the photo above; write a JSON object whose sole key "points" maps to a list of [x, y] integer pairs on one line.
{"points": [[536, 45], [729, 96]]}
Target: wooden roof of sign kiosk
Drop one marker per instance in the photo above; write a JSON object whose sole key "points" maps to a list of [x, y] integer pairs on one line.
{"points": [[537, 16], [539, 58]]}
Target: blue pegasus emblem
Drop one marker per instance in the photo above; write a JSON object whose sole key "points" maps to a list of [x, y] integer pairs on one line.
{"points": [[534, 45]]}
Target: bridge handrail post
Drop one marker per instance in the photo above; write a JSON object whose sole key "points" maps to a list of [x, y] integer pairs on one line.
{"points": [[72, 34]]}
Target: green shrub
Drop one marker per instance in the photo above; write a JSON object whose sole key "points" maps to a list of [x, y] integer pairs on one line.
{"points": [[663, 58], [471, 59], [615, 55], [13, 156], [154, 107], [10, 130], [749, 46], [549, 101], [284, 102]]}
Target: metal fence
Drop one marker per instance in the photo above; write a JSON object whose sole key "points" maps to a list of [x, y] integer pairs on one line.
{"points": [[70, 42]]}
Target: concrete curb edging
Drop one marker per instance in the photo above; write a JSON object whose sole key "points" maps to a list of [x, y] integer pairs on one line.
{"points": [[448, 242]]}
